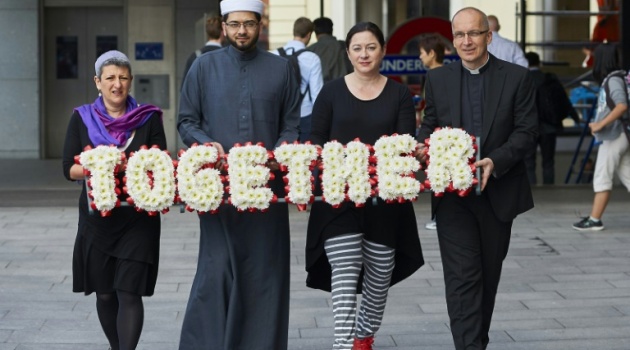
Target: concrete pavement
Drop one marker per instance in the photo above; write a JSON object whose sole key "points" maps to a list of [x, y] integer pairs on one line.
{"points": [[561, 289]]}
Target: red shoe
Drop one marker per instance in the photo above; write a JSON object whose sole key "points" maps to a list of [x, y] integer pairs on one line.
{"points": [[363, 344]]}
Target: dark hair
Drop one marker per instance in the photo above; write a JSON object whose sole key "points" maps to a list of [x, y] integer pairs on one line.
{"points": [[433, 42], [606, 59], [532, 59], [365, 27], [258, 16], [323, 25], [213, 27], [302, 27]]}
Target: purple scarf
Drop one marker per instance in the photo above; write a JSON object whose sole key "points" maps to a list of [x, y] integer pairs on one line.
{"points": [[106, 130]]}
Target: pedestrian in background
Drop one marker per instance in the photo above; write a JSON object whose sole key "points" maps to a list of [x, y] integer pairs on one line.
{"points": [[432, 56], [214, 35], [613, 154], [332, 52], [553, 106], [503, 48], [310, 71]]}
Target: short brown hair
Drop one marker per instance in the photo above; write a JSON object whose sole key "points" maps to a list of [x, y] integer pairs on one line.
{"points": [[433, 42], [302, 27], [213, 27]]}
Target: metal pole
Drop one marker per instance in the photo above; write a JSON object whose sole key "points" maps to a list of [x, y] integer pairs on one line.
{"points": [[523, 25], [385, 17], [624, 20], [568, 13], [321, 8], [550, 31]]}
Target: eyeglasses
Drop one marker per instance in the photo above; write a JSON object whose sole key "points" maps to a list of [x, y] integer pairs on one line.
{"points": [[249, 25], [473, 34]]}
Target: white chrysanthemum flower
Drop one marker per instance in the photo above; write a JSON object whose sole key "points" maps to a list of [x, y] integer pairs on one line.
{"points": [[333, 183], [101, 162], [201, 189], [249, 177], [450, 153], [395, 171], [298, 159], [146, 196], [359, 189], [346, 165]]}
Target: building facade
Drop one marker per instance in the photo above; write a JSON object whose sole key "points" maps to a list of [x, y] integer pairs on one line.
{"points": [[46, 64]]}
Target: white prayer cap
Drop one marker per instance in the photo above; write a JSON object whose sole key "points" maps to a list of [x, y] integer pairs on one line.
{"points": [[228, 6]]}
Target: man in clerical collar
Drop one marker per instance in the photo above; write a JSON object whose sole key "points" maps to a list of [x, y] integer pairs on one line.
{"points": [[494, 101]]}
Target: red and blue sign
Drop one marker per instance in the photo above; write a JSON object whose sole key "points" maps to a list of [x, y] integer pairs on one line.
{"points": [[396, 63], [407, 64]]}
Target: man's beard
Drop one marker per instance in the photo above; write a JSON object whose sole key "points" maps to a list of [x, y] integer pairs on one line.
{"points": [[251, 44]]}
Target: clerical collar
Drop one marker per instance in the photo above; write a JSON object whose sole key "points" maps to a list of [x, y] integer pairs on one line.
{"points": [[479, 70]]}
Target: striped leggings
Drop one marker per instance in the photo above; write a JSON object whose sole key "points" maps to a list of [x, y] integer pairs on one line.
{"points": [[347, 254]]}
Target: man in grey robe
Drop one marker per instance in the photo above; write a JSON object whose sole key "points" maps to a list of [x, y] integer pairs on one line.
{"points": [[240, 294]]}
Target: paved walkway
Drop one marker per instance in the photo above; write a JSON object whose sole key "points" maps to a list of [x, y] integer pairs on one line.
{"points": [[561, 289]]}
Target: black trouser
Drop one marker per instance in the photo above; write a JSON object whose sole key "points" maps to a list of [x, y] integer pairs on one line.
{"points": [[473, 245], [547, 143], [305, 128]]}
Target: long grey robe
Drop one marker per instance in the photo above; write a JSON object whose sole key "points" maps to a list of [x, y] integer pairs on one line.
{"points": [[240, 294]]}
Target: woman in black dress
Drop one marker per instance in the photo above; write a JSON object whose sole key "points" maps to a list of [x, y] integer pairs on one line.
{"points": [[377, 243], [116, 256]]}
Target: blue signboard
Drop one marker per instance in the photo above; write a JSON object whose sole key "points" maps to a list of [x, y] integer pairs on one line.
{"points": [[407, 64], [402, 65], [149, 51]]}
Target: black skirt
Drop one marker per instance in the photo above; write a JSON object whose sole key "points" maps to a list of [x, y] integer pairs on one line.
{"points": [[120, 252]]}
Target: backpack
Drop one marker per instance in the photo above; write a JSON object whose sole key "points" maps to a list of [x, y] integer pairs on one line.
{"points": [[293, 61], [621, 74], [625, 118], [553, 104]]}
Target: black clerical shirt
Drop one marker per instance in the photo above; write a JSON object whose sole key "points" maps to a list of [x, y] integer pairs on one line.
{"points": [[472, 99]]}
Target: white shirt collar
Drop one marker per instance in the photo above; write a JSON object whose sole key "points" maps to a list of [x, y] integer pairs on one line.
{"points": [[477, 70]]}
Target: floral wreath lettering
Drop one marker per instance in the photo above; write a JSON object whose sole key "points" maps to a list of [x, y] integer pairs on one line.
{"points": [[351, 173], [450, 164]]}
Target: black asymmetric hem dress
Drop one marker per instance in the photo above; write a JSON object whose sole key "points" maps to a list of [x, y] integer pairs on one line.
{"points": [[339, 115], [121, 251]]}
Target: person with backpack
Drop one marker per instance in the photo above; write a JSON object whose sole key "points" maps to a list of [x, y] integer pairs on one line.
{"points": [[613, 153], [308, 71], [332, 52], [553, 106], [214, 34]]}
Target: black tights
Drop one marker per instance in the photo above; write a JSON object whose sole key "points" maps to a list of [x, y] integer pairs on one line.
{"points": [[121, 315]]}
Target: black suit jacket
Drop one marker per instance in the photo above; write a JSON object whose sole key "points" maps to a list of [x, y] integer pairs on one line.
{"points": [[510, 127]]}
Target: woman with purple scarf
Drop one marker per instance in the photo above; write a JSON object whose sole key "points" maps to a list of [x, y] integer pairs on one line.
{"points": [[116, 256]]}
